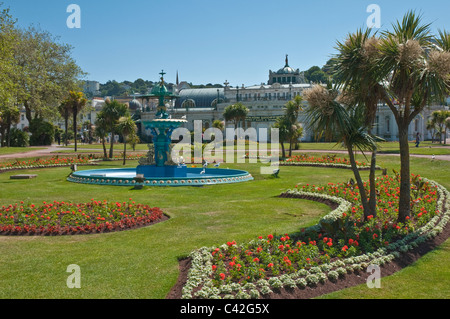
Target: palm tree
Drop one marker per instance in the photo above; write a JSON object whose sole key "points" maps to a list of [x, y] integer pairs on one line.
{"points": [[111, 113], [101, 131], [283, 126], [65, 109], [431, 126], [413, 69], [229, 115], [76, 102], [329, 118], [352, 67], [127, 128], [292, 111], [218, 124]]}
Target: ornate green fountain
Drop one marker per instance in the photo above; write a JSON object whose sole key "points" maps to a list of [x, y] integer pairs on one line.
{"points": [[157, 168], [159, 160]]}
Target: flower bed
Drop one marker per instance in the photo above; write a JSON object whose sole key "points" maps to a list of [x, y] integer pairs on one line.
{"points": [[63, 218], [339, 244], [44, 163], [325, 160]]}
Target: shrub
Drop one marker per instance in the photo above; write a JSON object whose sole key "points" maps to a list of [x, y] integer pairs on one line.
{"points": [[19, 138]]}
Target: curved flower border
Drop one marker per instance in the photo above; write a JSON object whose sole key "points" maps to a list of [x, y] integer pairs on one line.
{"points": [[201, 266]]}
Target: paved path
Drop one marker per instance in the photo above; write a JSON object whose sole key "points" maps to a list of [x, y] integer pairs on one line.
{"points": [[54, 148]]}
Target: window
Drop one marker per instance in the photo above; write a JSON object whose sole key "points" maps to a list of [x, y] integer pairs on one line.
{"points": [[388, 124]]}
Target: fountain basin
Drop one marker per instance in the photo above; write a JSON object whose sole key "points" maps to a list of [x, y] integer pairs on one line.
{"points": [[127, 177]]}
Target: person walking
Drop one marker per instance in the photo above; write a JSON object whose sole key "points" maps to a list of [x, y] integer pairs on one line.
{"points": [[417, 139]]}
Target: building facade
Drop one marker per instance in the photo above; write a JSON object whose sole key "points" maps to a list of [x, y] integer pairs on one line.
{"points": [[266, 103]]}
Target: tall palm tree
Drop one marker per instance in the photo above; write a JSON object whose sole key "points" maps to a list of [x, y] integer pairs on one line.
{"points": [[352, 67], [65, 109], [283, 126], [431, 126], [329, 118], [292, 111], [127, 128], [413, 69], [112, 112], [76, 102], [101, 131]]}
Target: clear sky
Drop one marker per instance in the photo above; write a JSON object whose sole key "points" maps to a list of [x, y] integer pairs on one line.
{"points": [[210, 41]]}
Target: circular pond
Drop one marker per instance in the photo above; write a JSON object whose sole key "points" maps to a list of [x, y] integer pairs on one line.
{"points": [[127, 177]]}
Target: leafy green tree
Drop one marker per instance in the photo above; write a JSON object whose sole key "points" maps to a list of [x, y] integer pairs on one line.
{"points": [[42, 132], [45, 72]]}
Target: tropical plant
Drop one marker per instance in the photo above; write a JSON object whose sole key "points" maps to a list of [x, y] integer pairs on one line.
{"points": [[65, 110], [283, 126], [111, 113], [329, 118], [127, 128], [75, 102], [352, 66], [101, 131], [412, 70]]}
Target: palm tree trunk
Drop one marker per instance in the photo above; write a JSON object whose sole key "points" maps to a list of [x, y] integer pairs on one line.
{"points": [[105, 154], [111, 148], [404, 207], [124, 150], [373, 194], [359, 182], [290, 147], [283, 151], [66, 123], [75, 127]]}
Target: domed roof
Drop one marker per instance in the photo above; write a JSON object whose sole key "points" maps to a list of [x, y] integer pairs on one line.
{"points": [[135, 105], [286, 70]]}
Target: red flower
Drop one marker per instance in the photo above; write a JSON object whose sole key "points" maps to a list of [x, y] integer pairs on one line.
{"points": [[270, 237], [222, 276]]}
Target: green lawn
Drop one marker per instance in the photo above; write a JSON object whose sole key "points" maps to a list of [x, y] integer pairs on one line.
{"points": [[143, 263]]}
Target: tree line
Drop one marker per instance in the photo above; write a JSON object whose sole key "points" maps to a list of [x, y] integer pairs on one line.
{"points": [[37, 74]]}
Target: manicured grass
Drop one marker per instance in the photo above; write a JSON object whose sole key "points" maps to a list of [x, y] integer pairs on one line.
{"points": [[143, 263], [427, 278]]}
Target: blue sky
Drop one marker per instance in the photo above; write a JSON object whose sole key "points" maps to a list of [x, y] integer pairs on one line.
{"points": [[209, 41]]}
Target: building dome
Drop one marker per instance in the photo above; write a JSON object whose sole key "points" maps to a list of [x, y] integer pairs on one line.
{"points": [[135, 105], [286, 70]]}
